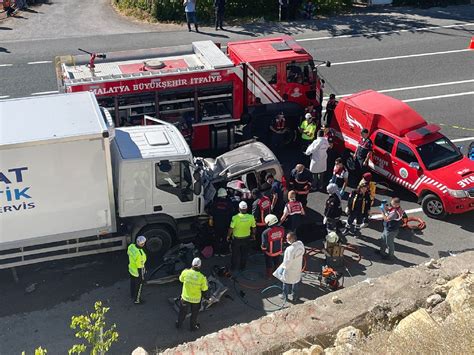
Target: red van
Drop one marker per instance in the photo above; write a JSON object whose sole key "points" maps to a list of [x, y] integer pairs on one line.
{"points": [[407, 151]]}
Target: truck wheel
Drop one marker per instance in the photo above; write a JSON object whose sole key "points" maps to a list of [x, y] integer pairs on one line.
{"points": [[433, 207], [158, 239]]}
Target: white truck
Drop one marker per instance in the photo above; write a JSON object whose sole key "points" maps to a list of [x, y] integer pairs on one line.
{"points": [[71, 184]]}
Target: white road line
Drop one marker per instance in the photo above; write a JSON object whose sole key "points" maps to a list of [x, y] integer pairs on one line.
{"points": [[439, 96], [413, 29], [414, 210], [401, 57], [6, 65], [4, 97], [457, 140], [40, 62], [44, 93]]}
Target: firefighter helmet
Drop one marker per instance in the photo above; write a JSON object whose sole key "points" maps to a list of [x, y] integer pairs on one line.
{"points": [[221, 192], [271, 219]]}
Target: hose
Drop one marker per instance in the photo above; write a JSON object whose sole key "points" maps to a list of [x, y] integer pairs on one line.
{"points": [[418, 224]]}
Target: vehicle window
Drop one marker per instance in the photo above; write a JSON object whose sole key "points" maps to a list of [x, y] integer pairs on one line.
{"points": [[384, 142], [439, 153], [269, 73], [406, 154], [215, 103], [175, 178], [298, 72]]}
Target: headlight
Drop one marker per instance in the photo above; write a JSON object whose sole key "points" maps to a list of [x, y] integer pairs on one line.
{"points": [[458, 193]]}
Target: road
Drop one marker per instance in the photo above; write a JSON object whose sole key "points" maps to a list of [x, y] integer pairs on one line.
{"points": [[418, 56]]}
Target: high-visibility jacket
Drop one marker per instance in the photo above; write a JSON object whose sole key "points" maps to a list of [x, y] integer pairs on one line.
{"points": [[242, 224], [136, 259], [294, 207], [272, 240], [309, 130], [194, 283], [263, 208]]}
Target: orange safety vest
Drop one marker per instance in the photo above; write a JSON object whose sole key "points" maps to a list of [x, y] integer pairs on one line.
{"points": [[294, 207], [275, 239], [265, 205]]}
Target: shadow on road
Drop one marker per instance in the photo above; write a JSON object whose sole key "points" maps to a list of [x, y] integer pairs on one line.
{"points": [[4, 50]]}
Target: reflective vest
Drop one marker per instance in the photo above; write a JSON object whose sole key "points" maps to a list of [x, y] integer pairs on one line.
{"points": [[265, 206], [394, 224], [242, 225], [294, 207], [272, 240], [309, 130], [194, 283], [136, 259]]}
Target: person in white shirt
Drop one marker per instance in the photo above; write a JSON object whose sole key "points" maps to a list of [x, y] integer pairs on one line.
{"points": [[318, 165], [190, 10]]}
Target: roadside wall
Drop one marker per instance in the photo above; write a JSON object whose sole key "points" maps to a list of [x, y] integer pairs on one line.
{"points": [[388, 298]]}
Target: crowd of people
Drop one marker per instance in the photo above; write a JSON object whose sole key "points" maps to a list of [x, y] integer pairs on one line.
{"points": [[11, 7]]}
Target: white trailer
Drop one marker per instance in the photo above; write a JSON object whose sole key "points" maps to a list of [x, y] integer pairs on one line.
{"points": [[71, 184]]}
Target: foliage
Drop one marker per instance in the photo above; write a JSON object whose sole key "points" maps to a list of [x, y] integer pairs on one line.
{"points": [[38, 351], [92, 330]]}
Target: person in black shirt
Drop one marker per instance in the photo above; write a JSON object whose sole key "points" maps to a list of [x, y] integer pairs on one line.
{"points": [[301, 180], [330, 107], [221, 212], [333, 209], [219, 6], [275, 193], [363, 153], [358, 204]]}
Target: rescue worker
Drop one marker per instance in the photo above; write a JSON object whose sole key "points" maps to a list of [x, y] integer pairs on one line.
{"points": [[333, 209], [275, 194], [392, 221], [289, 272], [367, 179], [221, 213], [307, 130], [318, 164], [292, 212], [194, 285], [330, 107], [278, 130], [301, 180], [363, 153], [136, 268], [358, 206], [241, 232], [261, 207], [340, 176], [272, 244], [314, 111]]}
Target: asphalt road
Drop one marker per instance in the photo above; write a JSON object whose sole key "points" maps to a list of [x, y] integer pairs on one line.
{"points": [[415, 55]]}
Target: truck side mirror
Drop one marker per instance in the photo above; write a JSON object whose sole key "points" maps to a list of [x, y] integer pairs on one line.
{"points": [[415, 165], [197, 187]]}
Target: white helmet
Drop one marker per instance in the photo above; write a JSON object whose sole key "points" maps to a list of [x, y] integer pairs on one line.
{"points": [[308, 116], [271, 219], [332, 237], [243, 205], [141, 240], [221, 192]]}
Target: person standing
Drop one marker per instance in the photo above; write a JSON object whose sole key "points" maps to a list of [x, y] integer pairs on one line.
{"points": [[261, 207], [219, 6], [272, 244], [275, 194], [363, 153], [221, 213], [333, 209], [194, 285], [330, 108], [300, 181], [278, 130], [190, 10], [392, 221], [241, 232], [289, 272], [367, 179], [292, 212], [136, 268], [358, 206], [318, 164], [308, 130], [340, 176]]}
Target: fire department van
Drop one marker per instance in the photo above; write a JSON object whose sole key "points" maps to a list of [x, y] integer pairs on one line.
{"points": [[196, 87], [408, 151]]}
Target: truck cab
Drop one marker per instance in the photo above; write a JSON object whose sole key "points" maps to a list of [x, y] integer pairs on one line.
{"points": [[408, 151]]}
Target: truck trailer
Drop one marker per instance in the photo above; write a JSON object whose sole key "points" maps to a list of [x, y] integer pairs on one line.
{"points": [[72, 184]]}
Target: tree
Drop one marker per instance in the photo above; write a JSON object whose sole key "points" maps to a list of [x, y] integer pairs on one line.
{"points": [[91, 328]]}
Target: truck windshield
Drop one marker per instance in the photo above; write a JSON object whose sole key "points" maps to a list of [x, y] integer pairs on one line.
{"points": [[439, 153]]}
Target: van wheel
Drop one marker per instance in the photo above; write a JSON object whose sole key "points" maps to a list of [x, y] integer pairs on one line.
{"points": [[158, 239], [433, 207]]}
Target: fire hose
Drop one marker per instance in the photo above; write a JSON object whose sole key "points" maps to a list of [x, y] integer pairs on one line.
{"points": [[418, 224]]}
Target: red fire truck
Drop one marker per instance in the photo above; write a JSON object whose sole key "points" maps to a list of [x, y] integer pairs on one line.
{"points": [[197, 87]]}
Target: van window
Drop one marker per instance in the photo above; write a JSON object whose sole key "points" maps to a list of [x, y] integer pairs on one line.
{"points": [[175, 178], [384, 142], [269, 73], [406, 154]]}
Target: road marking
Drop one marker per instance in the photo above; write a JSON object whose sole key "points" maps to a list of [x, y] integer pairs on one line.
{"points": [[44, 93], [401, 57], [439, 96], [414, 210], [40, 62], [4, 97], [457, 140], [362, 34], [6, 65], [456, 127]]}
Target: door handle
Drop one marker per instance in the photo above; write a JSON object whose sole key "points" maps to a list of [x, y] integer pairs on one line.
{"points": [[157, 208]]}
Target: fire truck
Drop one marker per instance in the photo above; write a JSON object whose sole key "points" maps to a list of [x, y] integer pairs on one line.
{"points": [[197, 87]]}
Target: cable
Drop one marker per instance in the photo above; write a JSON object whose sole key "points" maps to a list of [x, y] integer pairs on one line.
{"points": [[418, 225]]}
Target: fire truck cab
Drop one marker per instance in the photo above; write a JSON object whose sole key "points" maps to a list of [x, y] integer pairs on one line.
{"points": [[408, 151]]}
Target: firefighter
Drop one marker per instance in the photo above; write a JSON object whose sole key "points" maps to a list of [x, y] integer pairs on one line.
{"points": [[272, 244], [363, 153], [301, 180], [358, 206], [333, 209], [136, 268], [261, 207], [275, 194], [367, 179], [330, 107], [392, 221], [194, 285], [292, 212], [241, 232], [221, 213], [278, 130], [340, 176]]}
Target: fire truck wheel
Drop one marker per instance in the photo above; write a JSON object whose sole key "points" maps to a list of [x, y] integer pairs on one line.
{"points": [[433, 207], [158, 239]]}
